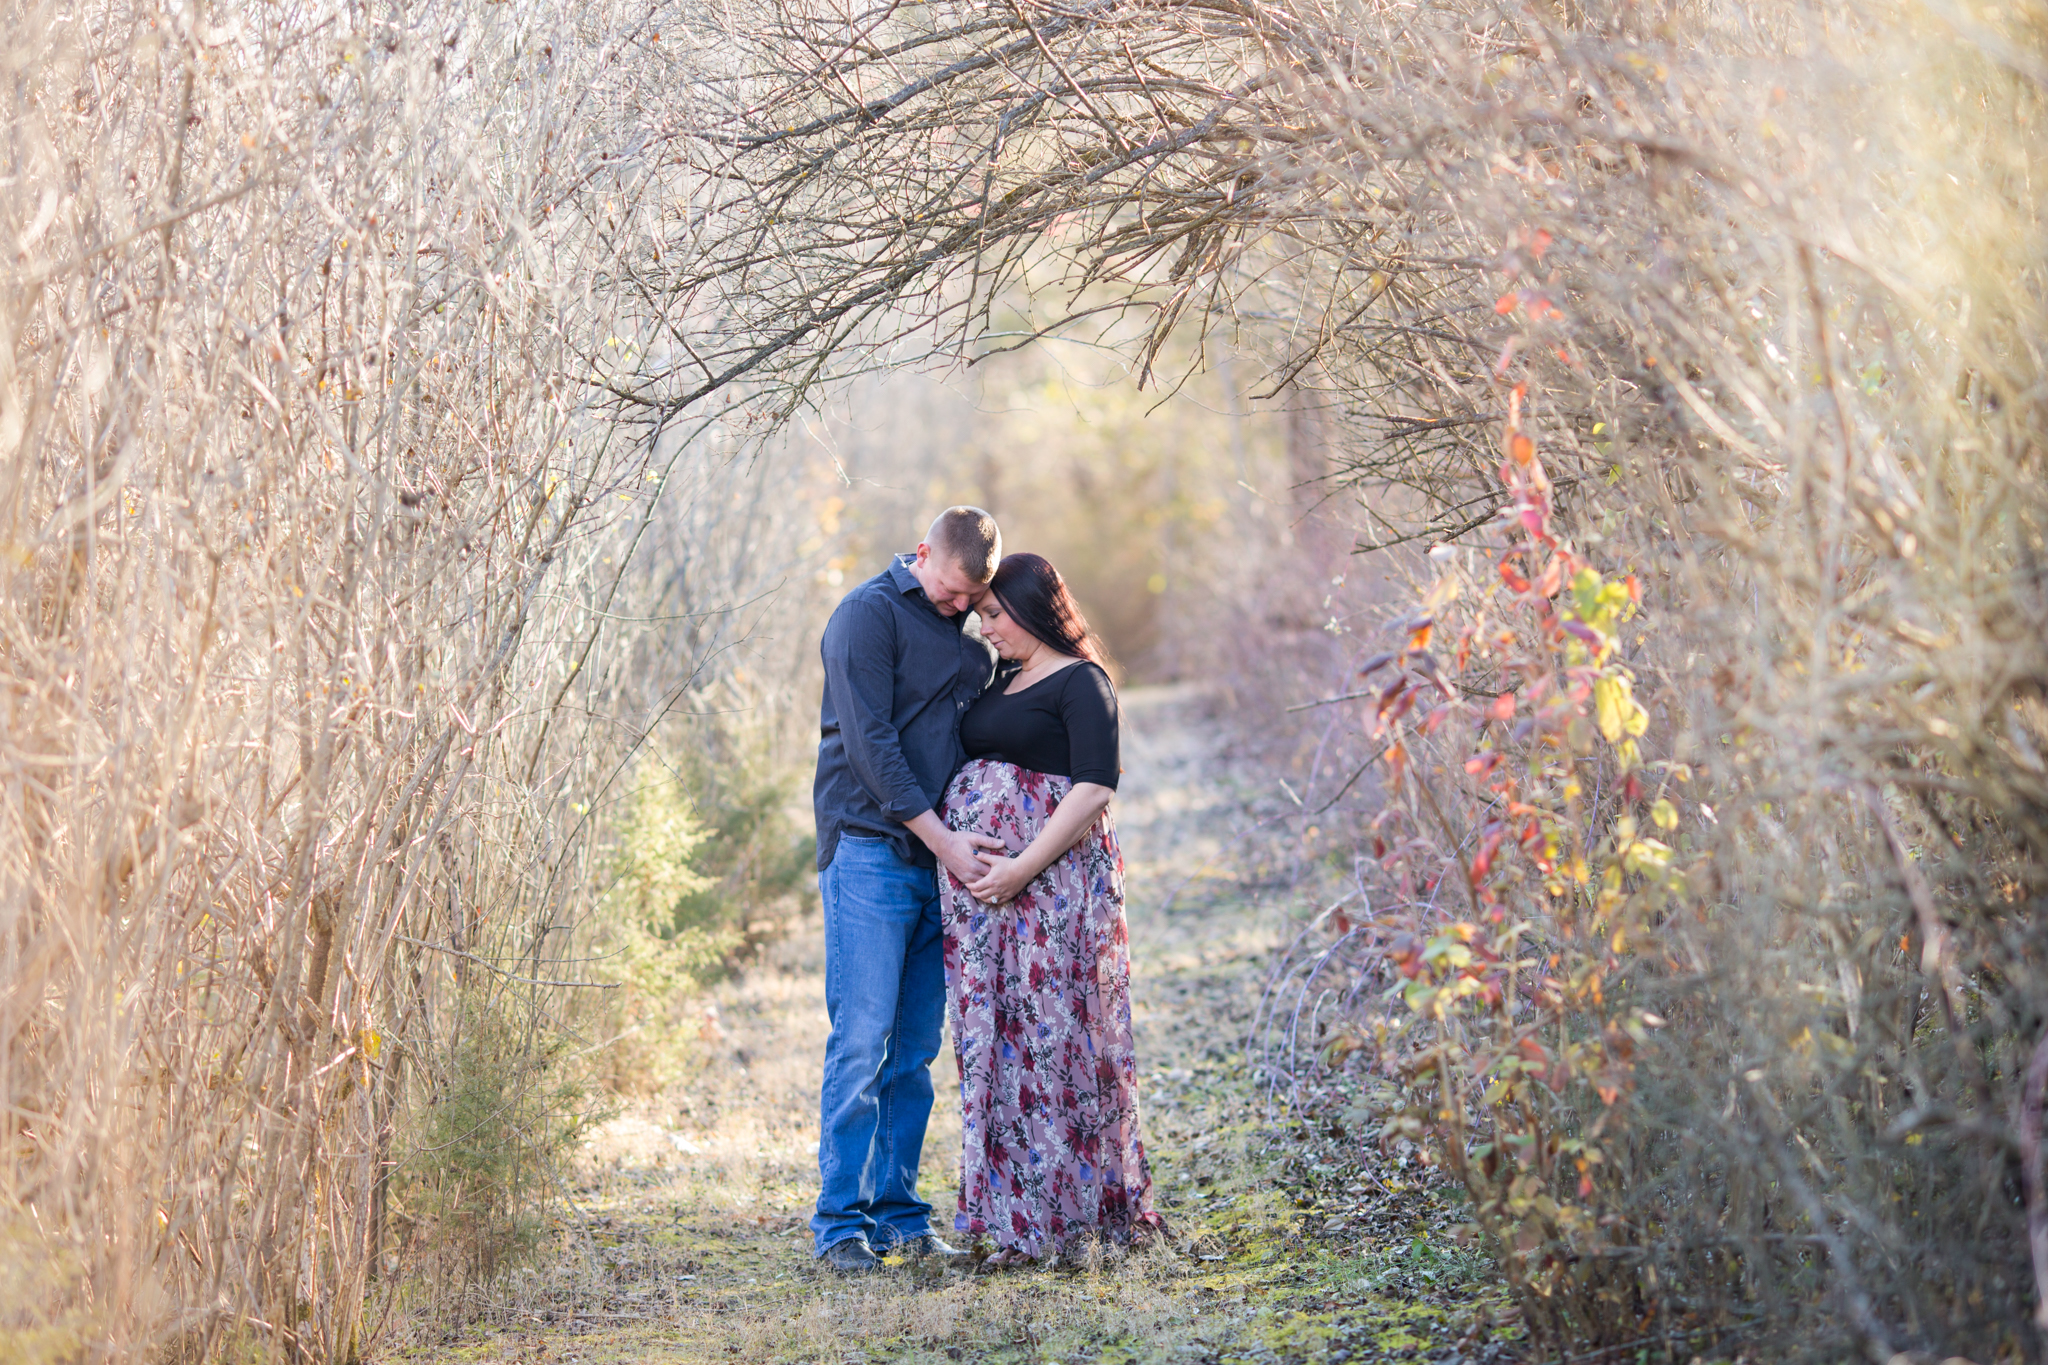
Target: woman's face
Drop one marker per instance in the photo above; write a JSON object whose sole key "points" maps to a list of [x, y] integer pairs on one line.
{"points": [[1000, 629]]}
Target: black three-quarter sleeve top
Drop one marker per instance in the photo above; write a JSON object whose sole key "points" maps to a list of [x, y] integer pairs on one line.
{"points": [[1065, 725]]}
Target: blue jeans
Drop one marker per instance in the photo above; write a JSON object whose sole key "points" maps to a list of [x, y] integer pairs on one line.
{"points": [[885, 992]]}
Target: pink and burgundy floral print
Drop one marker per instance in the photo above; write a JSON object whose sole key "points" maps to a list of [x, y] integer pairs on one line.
{"points": [[1038, 996]]}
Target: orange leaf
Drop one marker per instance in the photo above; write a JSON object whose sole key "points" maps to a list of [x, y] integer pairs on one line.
{"points": [[1503, 707], [1521, 449], [1504, 304]]}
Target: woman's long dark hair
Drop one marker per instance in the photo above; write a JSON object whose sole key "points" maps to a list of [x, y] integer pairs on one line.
{"points": [[1036, 597]]}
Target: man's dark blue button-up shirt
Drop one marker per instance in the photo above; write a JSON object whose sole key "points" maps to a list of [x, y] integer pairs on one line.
{"points": [[898, 676]]}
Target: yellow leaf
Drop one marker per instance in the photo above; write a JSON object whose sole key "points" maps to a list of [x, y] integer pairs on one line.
{"points": [[1609, 697]]}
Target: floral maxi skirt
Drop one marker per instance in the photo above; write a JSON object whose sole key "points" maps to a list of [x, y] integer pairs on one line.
{"points": [[1038, 994]]}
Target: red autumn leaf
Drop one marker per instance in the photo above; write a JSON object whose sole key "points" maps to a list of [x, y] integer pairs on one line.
{"points": [[1479, 765], [1406, 953], [1533, 520], [1635, 589], [1482, 863], [1514, 580], [1574, 626], [1633, 789], [1400, 707], [1418, 635], [1503, 707], [1539, 243], [1505, 304], [1552, 578]]}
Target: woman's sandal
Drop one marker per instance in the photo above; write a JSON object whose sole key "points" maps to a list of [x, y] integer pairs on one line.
{"points": [[1007, 1259]]}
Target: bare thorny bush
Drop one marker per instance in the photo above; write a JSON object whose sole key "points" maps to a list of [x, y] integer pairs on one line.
{"points": [[324, 424]]}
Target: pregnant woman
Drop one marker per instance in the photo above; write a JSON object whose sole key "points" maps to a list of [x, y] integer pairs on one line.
{"points": [[1038, 966]]}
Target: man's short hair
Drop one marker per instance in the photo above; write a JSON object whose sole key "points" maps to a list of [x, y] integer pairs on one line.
{"points": [[969, 537]]}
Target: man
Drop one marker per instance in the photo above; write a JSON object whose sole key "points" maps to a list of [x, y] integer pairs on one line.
{"points": [[899, 672]]}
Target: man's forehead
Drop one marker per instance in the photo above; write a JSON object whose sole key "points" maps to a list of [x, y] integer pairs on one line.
{"points": [[948, 568]]}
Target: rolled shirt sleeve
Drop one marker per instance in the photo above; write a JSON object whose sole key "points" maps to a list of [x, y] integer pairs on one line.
{"points": [[859, 650]]}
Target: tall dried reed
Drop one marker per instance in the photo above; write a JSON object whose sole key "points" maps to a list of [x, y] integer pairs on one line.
{"points": [[327, 627]]}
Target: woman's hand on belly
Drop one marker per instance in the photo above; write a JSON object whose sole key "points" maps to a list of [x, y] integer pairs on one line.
{"points": [[1006, 878]]}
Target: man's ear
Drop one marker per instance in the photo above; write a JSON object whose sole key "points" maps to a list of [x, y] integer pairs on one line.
{"points": [[924, 553]]}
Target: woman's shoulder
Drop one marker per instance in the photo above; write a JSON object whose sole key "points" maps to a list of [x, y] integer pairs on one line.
{"points": [[1088, 676]]}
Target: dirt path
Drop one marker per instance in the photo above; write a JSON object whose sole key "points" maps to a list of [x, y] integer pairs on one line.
{"points": [[697, 1247]]}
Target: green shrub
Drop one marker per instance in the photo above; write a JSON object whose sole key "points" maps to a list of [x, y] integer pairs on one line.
{"points": [[507, 1104], [706, 865]]}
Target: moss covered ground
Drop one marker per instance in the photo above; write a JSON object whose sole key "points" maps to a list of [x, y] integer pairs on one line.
{"points": [[1294, 1242]]}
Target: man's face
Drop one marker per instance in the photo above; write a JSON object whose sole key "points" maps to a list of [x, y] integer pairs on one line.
{"points": [[945, 582]]}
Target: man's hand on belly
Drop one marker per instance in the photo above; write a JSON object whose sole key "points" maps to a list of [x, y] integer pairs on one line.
{"points": [[958, 850]]}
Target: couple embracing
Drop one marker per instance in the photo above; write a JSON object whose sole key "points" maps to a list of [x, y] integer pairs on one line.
{"points": [[970, 871]]}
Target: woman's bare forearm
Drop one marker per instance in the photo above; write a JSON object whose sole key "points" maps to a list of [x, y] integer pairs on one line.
{"points": [[1083, 805]]}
